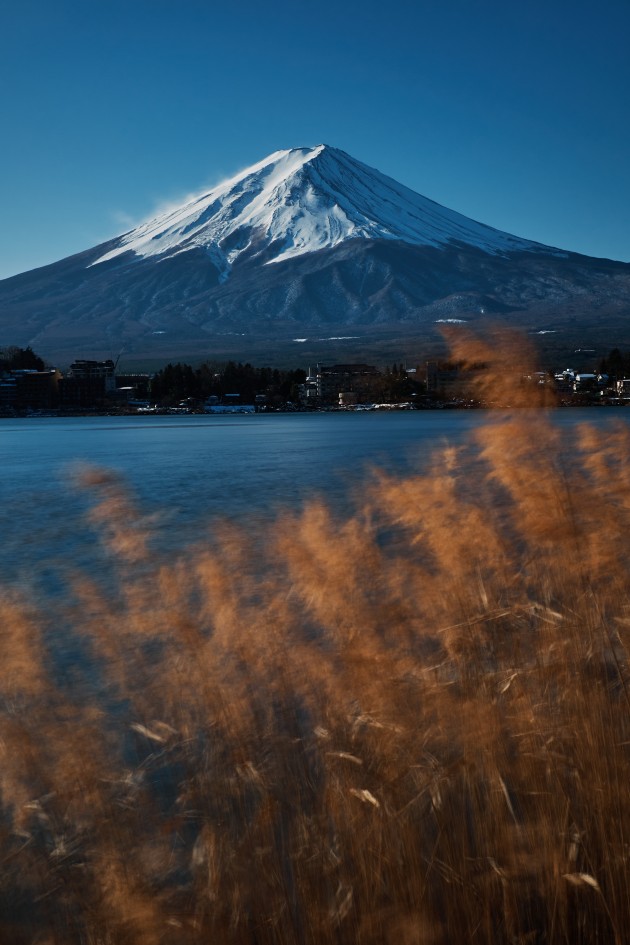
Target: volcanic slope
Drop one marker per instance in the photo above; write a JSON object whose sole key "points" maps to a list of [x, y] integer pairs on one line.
{"points": [[307, 244]]}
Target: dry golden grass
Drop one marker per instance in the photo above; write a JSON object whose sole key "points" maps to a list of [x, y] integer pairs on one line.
{"points": [[410, 727]]}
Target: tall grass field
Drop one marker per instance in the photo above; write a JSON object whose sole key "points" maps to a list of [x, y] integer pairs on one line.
{"points": [[409, 726]]}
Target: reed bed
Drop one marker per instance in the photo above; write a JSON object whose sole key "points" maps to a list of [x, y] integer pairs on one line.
{"points": [[408, 726]]}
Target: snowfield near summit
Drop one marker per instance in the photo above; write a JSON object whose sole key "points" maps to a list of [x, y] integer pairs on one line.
{"points": [[308, 244], [301, 201]]}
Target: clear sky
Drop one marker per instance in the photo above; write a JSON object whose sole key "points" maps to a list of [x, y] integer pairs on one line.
{"points": [[515, 113]]}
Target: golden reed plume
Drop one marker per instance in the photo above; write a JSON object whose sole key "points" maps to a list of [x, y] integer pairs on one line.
{"points": [[408, 726]]}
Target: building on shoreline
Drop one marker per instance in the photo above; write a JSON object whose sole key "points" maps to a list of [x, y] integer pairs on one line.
{"points": [[340, 383], [26, 389]]}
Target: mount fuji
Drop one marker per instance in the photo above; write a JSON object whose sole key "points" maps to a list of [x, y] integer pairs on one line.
{"points": [[308, 253]]}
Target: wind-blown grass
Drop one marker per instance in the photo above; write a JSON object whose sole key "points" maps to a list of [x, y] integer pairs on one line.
{"points": [[408, 726]]}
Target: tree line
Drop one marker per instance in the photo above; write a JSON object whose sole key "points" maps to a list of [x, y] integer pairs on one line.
{"points": [[177, 382], [20, 359], [616, 365]]}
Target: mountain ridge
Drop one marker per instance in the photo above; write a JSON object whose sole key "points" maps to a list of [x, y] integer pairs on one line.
{"points": [[306, 199], [306, 242]]}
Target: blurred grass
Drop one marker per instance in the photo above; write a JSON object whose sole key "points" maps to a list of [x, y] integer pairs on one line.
{"points": [[408, 726]]}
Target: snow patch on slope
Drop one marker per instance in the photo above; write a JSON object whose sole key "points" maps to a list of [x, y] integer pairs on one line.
{"points": [[301, 201]]}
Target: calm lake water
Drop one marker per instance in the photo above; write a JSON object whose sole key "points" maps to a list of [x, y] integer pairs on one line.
{"points": [[189, 469]]}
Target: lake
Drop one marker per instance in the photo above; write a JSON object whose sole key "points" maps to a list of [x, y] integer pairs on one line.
{"points": [[187, 470]]}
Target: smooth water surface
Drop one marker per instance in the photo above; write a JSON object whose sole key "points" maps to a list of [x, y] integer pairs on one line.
{"points": [[190, 469]]}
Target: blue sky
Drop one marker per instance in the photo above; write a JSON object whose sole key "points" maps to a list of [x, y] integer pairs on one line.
{"points": [[513, 113]]}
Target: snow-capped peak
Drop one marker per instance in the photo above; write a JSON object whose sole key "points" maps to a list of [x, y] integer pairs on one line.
{"points": [[301, 201]]}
